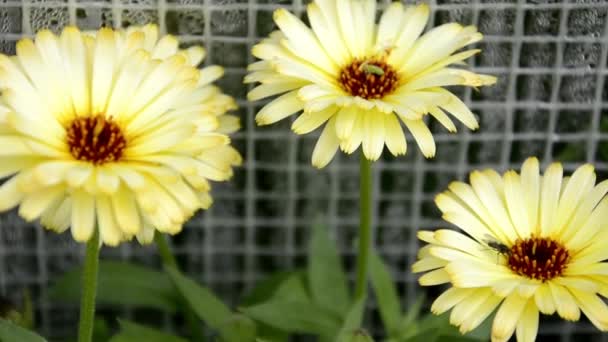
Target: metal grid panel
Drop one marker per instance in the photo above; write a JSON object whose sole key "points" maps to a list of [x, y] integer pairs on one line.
{"points": [[551, 101]]}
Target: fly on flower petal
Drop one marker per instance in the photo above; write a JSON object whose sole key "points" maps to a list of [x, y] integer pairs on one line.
{"points": [[363, 82], [111, 130], [552, 234]]}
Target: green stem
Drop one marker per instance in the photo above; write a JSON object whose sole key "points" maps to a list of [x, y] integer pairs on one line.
{"points": [[163, 249], [365, 227], [168, 259], [89, 289]]}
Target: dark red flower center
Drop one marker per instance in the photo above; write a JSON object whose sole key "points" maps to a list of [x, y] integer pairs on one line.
{"points": [[368, 78], [538, 258], [95, 139]]}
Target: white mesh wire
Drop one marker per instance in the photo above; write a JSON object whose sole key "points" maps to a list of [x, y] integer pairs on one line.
{"points": [[551, 100]]}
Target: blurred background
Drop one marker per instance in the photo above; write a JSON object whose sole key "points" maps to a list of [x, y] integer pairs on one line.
{"points": [[551, 101]]}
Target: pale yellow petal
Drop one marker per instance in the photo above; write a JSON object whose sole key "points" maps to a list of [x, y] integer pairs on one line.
{"points": [[514, 198], [34, 204], [73, 51], [157, 107], [126, 81], [586, 233], [352, 142], [492, 201], [126, 212], [584, 210], [103, 69], [184, 195], [395, 138], [428, 264], [389, 26], [324, 24], [373, 136], [436, 277], [593, 307], [159, 75], [414, 21], [549, 198], [326, 146], [165, 47], [10, 196], [11, 165], [530, 182], [270, 89], [83, 216], [507, 317], [309, 121], [449, 298], [58, 217], [443, 119], [479, 313], [459, 110], [462, 218], [564, 302], [109, 232], [146, 234], [107, 181], [210, 74], [581, 181], [527, 327], [544, 300], [422, 135], [345, 120], [346, 16], [279, 109], [302, 40]]}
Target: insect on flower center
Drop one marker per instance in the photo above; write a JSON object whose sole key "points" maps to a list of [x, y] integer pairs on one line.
{"points": [[368, 78], [538, 258], [95, 139]]}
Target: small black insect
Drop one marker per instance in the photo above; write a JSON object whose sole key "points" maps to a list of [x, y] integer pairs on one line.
{"points": [[499, 247]]}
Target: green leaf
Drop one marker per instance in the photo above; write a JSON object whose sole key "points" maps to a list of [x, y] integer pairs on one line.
{"points": [[426, 335], [271, 334], [11, 332], [265, 289], [360, 336], [452, 338], [408, 323], [290, 286], [386, 294], [121, 284], [101, 330], [133, 332], [238, 328], [293, 288], [352, 322], [326, 278], [28, 310], [204, 303], [294, 316], [428, 329]]}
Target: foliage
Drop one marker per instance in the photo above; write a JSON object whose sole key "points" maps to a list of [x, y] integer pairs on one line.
{"points": [[12, 332], [315, 301]]}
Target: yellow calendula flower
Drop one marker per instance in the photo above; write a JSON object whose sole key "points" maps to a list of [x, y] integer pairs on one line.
{"points": [[530, 243], [361, 79], [111, 129]]}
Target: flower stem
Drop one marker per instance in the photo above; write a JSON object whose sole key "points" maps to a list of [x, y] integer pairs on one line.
{"points": [[163, 249], [89, 289], [365, 228], [168, 259]]}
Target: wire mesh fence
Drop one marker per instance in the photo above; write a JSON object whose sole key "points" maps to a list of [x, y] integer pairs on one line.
{"points": [[551, 101]]}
